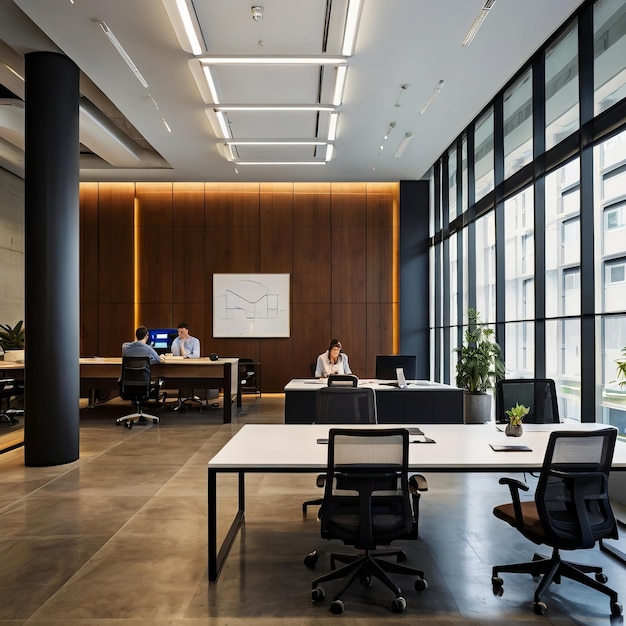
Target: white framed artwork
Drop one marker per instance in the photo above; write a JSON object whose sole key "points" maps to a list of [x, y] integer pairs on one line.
{"points": [[251, 305]]}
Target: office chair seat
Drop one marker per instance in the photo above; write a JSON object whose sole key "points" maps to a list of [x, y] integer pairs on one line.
{"points": [[9, 388]]}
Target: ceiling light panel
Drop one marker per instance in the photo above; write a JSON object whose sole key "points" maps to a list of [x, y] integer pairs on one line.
{"points": [[275, 124], [281, 153], [245, 84], [305, 34]]}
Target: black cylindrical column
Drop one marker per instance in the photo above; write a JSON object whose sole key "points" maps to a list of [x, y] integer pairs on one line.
{"points": [[52, 318]]}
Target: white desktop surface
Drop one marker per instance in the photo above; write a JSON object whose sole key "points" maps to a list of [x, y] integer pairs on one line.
{"points": [[309, 384], [457, 447]]}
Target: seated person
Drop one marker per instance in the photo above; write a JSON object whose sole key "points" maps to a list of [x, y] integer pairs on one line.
{"points": [[140, 346], [185, 345], [333, 361]]}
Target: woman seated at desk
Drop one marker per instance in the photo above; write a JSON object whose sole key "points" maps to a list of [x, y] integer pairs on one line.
{"points": [[333, 361]]}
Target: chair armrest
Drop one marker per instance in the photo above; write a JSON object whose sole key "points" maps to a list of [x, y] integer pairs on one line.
{"points": [[515, 486], [417, 482], [320, 481]]}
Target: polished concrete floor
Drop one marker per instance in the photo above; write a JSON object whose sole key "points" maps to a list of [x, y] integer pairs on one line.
{"points": [[119, 538]]}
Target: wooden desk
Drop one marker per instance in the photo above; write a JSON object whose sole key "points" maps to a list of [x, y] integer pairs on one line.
{"points": [[102, 373], [293, 448], [422, 402], [10, 369]]}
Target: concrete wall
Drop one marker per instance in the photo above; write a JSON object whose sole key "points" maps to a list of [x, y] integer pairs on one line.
{"points": [[11, 248]]}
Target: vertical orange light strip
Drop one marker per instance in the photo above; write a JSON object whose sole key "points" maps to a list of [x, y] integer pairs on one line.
{"points": [[396, 272], [136, 294]]}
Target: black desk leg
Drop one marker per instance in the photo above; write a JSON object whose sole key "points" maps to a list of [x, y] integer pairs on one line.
{"points": [[613, 551], [228, 398], [217, 559]]}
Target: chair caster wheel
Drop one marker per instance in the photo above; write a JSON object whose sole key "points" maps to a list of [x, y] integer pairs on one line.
{"points": [[421, 584], [398, 604], [317, 594], [616, 609], [497, 586], [155, 421], [601, 577], [311, 559], [540, 608], [129, 424], [337, 607]]}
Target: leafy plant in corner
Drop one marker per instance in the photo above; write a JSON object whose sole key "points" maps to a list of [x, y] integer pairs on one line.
{"points": [[516, 414], [621, 368], [12, 338], [480, 361]]}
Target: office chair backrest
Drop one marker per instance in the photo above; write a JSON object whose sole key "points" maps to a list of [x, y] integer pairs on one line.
{"points": [[345, 405], [539, 394], [345, 380], [134, 383], [366, 496], [572, 494]]}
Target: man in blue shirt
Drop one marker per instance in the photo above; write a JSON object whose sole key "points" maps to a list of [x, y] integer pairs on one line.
{"points": [[185, 345], [140, 347]]}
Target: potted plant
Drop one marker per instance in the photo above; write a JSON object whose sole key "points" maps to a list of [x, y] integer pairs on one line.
{"points": [[621, 368], [12, 341], [480, 364], [516, 415]]}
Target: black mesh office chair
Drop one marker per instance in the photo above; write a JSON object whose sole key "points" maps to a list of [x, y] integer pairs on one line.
{"points": [[571, 510], [135, 384], [339, 403], [539, 394], [9, 388], [366, 504]]}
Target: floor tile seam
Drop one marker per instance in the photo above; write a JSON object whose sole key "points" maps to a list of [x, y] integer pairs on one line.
{"points": [[77, 464]]}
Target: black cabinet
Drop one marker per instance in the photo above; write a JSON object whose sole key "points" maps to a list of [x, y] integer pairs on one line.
{"points": [[250, 376]]}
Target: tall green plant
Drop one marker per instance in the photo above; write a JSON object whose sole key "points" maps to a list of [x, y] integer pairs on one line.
{"points": [[621, 368], [12, 338], [480, 361]]}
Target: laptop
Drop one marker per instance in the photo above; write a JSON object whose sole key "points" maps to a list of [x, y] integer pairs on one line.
{"points": [[401, 380]]}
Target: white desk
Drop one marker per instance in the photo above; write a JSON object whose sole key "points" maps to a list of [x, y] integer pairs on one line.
{"points": [[422, 402], [293, 448]]}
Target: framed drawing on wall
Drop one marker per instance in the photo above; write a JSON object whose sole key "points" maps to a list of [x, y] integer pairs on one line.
{"points": [[251, 305]]}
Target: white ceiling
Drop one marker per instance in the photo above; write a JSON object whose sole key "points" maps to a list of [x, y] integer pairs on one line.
{"points": [[399, 42]]}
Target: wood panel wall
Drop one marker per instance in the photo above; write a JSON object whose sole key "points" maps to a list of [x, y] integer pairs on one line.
{"points": [[149, 252]]}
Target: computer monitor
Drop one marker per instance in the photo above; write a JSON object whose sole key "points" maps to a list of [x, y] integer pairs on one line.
{"points": [[386, 365], [161, 339]]}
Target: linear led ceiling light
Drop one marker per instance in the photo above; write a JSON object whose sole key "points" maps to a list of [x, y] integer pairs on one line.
{"points": [[273, 142], [280, 162], [332, 126], [340, 82], [480, 18], [320, 59], [118, 46], [433, 95], [352, 23], [185, 24], [403, 144], [274, 107], [208, 74]]}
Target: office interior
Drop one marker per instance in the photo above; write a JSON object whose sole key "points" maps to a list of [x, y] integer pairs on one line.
{"points": [[519, 216]]}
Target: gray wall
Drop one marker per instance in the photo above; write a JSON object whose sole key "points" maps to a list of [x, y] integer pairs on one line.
{"points": [[11, 248]]}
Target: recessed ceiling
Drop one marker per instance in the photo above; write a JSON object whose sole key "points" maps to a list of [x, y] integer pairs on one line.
{"points": [[171, 130]]}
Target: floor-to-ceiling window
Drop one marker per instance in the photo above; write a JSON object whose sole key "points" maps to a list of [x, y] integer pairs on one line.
{"points": [[543, 258]]}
